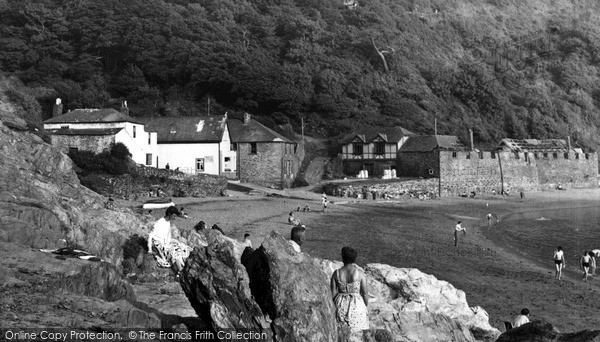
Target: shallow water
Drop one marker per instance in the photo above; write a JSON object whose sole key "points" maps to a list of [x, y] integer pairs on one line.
{"points": [[536, 234]]}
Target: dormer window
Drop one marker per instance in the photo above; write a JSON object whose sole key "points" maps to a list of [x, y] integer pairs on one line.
{"points": [[380, 148]]}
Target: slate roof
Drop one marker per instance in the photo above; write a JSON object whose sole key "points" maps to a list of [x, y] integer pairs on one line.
{"points": [[91, 131], [389, 134], [186, 129], [254, 131], [427, 143], [92, 116], [534, 145]]}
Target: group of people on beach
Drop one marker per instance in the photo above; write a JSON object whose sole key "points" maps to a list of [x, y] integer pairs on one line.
{"points": [[348, 283], [587, 262]]}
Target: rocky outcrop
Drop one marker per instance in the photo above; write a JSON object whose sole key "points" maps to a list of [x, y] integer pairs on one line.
{"points": [[542, 331], [42, 202], [300, 300], [218, 288]]}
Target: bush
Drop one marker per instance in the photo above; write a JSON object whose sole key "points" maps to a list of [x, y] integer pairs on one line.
{"points": [[109, 162]]}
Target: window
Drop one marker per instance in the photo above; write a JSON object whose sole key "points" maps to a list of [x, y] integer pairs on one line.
{"points": [[468, 155], [253, 148], [566, 155], [453, 154], [288, 167], [233, 147], [380, 148], [199, 164], [148, 158], [535, 155], [587, 156], [545, 154], [480, 155], [64, 127], [149, 138], [73, 150], [493, 155], [134, 135], [517, 155], [576, 155], [555, 155], [357, 149], [526, 157]]}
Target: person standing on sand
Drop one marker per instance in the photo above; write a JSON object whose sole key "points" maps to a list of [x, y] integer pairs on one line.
{"points": [[489, 218], [592, 263], [457, 229], [559, 262], [584, 262]]}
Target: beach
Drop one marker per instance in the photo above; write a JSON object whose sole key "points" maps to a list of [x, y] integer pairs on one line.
{"points": [[503, 267]]}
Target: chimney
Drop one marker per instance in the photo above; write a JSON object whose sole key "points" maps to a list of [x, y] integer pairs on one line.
{"points": [[569, 143], [225, 117], [471, 139], [247, 118], [58, 108], [124, 109]]}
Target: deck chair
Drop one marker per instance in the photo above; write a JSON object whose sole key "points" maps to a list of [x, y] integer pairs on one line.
{"points": [[508, 325]]}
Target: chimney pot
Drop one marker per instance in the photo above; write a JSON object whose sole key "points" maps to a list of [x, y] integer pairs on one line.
{"points": [[124, 109], [58, 108], [247, 118]]}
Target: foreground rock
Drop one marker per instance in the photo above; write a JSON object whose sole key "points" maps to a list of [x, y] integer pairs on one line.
{"points": [[541, 331], [218, 288], [299, 301]]}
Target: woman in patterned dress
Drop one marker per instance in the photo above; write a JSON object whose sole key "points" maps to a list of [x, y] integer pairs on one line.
{"points": [[170, 252], [350, 294]]}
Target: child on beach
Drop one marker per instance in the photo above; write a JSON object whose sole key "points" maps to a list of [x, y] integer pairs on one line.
{"points": [[559, 262]]}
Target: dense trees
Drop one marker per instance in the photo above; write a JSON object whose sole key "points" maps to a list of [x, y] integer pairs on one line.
{"points": [[501, 68]]}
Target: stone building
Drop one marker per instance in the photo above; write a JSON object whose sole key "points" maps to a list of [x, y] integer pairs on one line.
{"points": [[419, 156], [194, 144], [373, 149], [264, 156], [96, 129]]}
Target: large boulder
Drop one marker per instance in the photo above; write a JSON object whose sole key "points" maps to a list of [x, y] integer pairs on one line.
{"points": [[542, 331], [298, 298], [217, 286]]}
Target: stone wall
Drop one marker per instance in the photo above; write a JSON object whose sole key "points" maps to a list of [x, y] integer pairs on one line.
{"points": [[577, 170], [418, 164], [95, 144], [486, 172], [267, 166], [145, 181]]}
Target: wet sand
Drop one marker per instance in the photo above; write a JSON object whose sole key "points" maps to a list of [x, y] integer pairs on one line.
{"points": [[500, 268]]}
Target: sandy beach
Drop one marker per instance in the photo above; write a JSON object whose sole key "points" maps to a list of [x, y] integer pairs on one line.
{"points": [[500, 268]]}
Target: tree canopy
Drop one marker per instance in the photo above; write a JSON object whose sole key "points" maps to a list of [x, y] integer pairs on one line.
{"points": [[504, 68]]}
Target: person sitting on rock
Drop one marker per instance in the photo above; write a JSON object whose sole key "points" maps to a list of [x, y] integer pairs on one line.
{"points": [[297, 237], [522, 318], [306, 208], [217, 228], [350, 293], [200, 226], [247, 241], [170, 253]]}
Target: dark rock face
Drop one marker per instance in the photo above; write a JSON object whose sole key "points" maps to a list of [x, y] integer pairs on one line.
{"points": [[217, 286], [542, 331], [298, 299]]}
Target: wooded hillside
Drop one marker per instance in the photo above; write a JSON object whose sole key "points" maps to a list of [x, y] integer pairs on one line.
{"points": [[504, 68]]}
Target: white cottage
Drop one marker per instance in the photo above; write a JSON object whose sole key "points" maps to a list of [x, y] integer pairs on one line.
{"points": [[96, 129], [194, 144]]}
